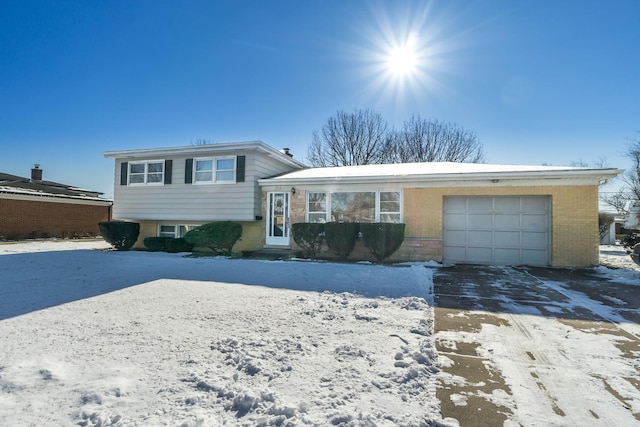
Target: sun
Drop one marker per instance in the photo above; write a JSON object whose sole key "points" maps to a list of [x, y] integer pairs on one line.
{"points": [[403, 60]]}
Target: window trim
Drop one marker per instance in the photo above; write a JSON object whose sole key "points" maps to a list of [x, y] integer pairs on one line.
{"points": [[377, 202], [214, 170], [145, 174]]}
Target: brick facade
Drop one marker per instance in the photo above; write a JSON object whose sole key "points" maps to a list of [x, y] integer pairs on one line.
{"points": [[21, 219], [574, 221]]}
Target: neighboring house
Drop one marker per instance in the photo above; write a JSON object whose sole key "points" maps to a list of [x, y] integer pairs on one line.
{"points": [[172, 190], [32, 207], [458, 212], [454, 212]]}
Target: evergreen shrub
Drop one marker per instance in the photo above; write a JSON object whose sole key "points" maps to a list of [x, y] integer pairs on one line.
{"points": [[167, 244], [309, 236], [217, 236], [122, 235], [155, 244], [341, 237], [382, 238]]}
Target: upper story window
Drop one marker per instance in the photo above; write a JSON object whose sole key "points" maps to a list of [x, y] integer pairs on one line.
{"points": [[146, 173], [365, 206], [214, 170]]}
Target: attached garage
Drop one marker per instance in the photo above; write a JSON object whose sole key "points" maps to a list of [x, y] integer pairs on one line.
{"points": [[458, 213], [505, 230]]}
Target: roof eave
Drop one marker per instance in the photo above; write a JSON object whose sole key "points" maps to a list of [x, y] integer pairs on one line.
{"points": [[595, 176], [208, 148]]}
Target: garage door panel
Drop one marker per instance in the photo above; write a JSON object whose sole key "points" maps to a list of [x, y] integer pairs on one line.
{"points": [[508, 230], [456, 237], [535, 240], [508, 220], [480, 255], [475, 237], [455, 253], [507, 204], [455, 220], [457, 203], [534, 222], [480, 204], [480, 221], [534, 203], [507, 256], [507, 238], [536, 257]]}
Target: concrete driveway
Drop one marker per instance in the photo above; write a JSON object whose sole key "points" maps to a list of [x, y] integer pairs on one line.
{"points": [[537, 346]]}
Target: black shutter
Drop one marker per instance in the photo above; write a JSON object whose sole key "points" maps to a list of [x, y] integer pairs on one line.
{"points": [[188, 171], [124, 171], [240, 161], [167, 171]]}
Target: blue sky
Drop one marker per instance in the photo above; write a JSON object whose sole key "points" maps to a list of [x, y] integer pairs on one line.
{"points": [[540, 81]]}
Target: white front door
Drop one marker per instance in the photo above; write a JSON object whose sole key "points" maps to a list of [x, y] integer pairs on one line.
{"points": [[278, 219]]}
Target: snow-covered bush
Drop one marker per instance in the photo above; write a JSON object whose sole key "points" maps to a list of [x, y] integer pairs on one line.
{"points": [[604, 222], [309, 236], [217, 236], [122, 235], [382, 238], [341, 237]]}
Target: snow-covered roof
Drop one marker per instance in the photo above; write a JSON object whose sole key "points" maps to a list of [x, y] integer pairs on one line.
{"points": [[439, 171]]}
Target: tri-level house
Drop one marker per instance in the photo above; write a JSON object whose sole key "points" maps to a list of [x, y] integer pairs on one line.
{"points": [[172, 190], [454, 212]]}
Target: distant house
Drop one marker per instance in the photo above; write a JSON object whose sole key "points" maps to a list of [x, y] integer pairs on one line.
{"points": [[454, 212], [33, 207]]}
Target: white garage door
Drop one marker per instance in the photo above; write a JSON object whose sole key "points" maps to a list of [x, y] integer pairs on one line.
{"points": [[504, 230]]}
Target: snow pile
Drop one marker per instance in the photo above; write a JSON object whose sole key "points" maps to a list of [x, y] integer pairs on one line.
{"points": [[98, 338]]}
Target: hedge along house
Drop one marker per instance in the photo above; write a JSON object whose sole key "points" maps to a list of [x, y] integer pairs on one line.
{"points": [[172, 190], [35, 208], [454, 212]]}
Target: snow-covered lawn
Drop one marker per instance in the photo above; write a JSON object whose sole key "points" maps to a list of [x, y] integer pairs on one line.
{"points": [[91, 337], [102, 338]]}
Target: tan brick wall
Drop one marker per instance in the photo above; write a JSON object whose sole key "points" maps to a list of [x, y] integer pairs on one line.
{"points": [[21, 219], [574, 217]]}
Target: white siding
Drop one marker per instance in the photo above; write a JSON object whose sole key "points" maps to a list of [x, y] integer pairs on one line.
{"points": [[188, 202]]}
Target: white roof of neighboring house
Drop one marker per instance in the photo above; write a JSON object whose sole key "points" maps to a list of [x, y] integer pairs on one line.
{"points": [[439, 171], [206, 149]]}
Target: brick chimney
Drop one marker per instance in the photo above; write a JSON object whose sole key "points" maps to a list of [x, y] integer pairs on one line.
{"points": [[36, 173]]}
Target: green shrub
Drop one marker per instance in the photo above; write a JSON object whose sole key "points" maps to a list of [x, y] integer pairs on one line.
{"points": [[155, 244], [167, 244], [341, 237], [217, 236], [178, 245], [121, 235], [309, 236], [382, 238]]}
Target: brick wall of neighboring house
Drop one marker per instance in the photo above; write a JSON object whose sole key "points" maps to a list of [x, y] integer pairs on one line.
{"points": [[21, 219]]}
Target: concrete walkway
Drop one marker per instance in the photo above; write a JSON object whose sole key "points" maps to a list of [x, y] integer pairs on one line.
{"points": [[514, 349]]}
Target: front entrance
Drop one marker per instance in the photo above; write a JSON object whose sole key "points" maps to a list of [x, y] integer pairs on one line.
{"points": [[278, 219]]}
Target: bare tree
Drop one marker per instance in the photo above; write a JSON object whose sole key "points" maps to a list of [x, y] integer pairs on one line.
{"points": [[349, 139], [630, 191], [422, 140]]}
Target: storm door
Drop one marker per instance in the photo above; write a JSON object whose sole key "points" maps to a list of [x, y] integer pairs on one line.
{"points": [[278, 219]]}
